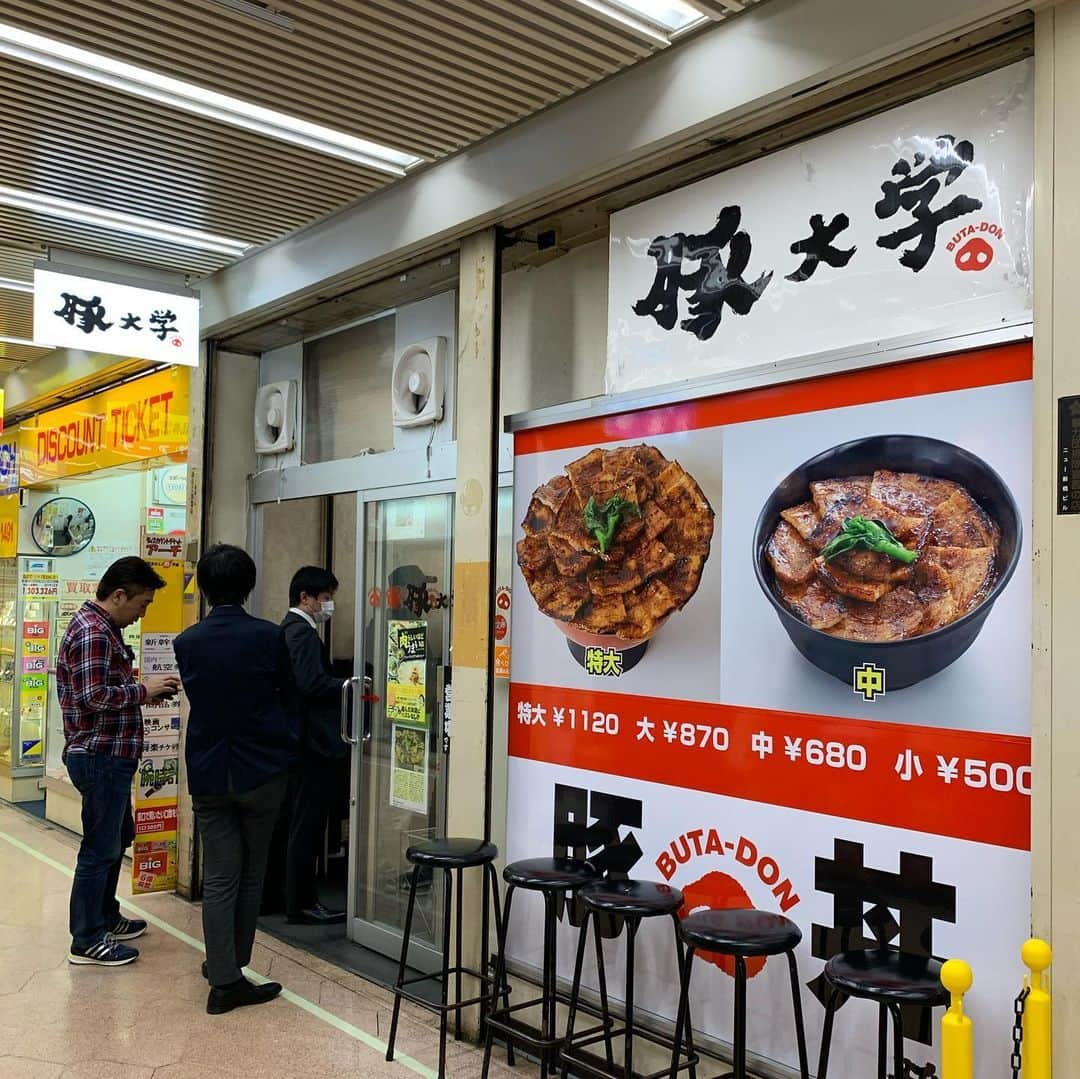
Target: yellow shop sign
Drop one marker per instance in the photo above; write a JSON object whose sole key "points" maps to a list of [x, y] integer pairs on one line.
{"points": [[135, 421]]}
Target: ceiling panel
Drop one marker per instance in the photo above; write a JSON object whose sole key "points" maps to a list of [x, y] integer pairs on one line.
{"points": [[429, 78]]}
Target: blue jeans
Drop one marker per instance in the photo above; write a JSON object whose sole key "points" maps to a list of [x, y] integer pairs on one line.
{"points": [[108, 829]]}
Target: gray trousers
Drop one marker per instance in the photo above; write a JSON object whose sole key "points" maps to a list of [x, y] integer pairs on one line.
{"points": [[236, 830]]}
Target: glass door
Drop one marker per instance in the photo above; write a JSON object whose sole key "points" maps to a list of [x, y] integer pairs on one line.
{"points": [[392, 713]]}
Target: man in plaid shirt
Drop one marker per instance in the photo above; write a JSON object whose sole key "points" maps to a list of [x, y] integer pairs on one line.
{"points": [[103, 737]]}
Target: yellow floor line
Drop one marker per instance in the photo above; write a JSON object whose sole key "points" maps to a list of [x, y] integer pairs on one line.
{"points": [[308, 1006]]}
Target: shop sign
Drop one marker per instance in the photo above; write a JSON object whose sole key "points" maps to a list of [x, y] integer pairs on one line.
{"points": [[9, 525], [917, 221], [135, 421], [749, 733], [93, 314], [9, 463]]}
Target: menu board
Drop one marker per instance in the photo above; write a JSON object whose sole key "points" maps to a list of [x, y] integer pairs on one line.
{"points": [[773, 648]]}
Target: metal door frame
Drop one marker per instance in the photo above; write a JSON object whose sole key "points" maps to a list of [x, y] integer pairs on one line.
{"points": [[385, 941]]}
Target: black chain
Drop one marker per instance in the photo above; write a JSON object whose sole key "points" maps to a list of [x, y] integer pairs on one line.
{"points": [[1018, 1033]]}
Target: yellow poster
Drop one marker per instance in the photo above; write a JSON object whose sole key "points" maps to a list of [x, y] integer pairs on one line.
{"points": [[406, 673], [135, 421], [9, 525]]}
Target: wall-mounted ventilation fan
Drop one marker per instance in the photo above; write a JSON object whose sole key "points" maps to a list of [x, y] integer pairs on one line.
{"points": [[275, 417], [419, 383]]}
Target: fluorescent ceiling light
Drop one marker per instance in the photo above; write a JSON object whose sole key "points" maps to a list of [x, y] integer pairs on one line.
{"points": [[658, 19], [112, 219], [10, 284], [25, 344], [129, 79]]}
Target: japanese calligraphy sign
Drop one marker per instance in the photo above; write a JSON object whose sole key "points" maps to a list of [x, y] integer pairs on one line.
{"points": [[72, 310], [135, 421], [668, 721], [915, 221]]}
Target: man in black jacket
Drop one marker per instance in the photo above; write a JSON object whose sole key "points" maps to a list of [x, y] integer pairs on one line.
{"points": [[323, 756], [241, 741]]}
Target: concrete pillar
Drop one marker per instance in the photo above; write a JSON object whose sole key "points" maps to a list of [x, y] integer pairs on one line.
{"points": [[468, 812], [1056, 629]]}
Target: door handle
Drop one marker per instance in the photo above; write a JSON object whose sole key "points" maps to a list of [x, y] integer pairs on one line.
{"points": [[368, 698], [346, 711]]}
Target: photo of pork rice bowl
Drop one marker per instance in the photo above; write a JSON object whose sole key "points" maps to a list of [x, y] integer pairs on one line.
{"points": [[888, 550]]}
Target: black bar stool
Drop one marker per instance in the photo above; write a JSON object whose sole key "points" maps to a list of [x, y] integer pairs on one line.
{"points": [[631, 901], [741, 934], [552, 878], [449, 855], [890, 979]]}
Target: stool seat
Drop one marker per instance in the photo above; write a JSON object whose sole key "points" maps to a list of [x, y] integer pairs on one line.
{"points": [[636, 898], [452, 853], [549, 874], [888, 977], [741, 932]]}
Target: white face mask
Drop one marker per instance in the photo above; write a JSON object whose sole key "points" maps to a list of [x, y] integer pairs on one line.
{"points": [[325, 611]]}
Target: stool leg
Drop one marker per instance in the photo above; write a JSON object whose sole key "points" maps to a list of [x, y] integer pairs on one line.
{"points": [[448, 899], [547, 1005], [501, 928], [898, 1043], [632, 925], [575, 987], [682, 1015], [688, 1033], [739, 1054], [882, 1042], [458, 957], [413, 877], [601, 974], [800, 1028], [826, 1033], [504, 982]]}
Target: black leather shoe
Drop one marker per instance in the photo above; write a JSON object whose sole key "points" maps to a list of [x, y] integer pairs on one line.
{"points": [[316, 915], [240, 994]]}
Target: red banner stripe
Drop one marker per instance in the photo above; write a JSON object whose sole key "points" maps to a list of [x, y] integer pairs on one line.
{"points": [[958, 783], [986, 367]]}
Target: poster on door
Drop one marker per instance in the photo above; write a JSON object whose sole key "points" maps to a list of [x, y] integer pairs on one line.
{"points": [[409, 769], [773, 648], [406, 673]]}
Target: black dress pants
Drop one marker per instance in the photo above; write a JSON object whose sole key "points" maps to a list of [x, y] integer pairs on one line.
{"points": [[236, 830], [313, 790]]}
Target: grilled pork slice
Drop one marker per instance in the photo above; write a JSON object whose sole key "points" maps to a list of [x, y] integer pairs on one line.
{"points": [[656, 521], [897, 615], [570, 527], [803, 518], [837, 494], [564, 599], [570, 561], [533, 555], [683, 578], [959, 521], [538, 518], [970, 570], [551, 494], [791, 558], [645, 609], [847, 584], [934, 589], [815, 603], [585, 472], [909, 492], [601, 613]]}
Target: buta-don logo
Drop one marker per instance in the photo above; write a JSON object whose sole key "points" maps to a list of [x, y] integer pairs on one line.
{"points": [[718, 889], [971, 247]]}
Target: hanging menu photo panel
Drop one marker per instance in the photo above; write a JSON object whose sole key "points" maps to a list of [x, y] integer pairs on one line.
{"points": [[773, 648]]}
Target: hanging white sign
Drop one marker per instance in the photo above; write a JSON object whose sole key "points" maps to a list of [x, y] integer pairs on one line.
{"points": [[916, 221], [72, 310]]}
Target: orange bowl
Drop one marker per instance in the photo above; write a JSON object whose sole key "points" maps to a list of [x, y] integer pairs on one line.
{"points": [[605, 640]]}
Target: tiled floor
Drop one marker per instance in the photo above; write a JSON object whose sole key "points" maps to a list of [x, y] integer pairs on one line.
{"points": [[149, 1020]]}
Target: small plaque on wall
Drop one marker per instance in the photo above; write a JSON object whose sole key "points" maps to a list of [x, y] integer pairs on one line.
{"points": [[1068, 477]]}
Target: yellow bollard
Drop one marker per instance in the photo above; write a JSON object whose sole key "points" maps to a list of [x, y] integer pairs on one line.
{"points": [[957, 1030], [1036, 955]]}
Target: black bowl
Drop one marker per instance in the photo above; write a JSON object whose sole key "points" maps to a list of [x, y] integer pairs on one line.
{"points": [[910, 661]]}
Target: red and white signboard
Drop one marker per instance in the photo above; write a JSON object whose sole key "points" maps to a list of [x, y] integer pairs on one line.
{"points": [[872, 797]]}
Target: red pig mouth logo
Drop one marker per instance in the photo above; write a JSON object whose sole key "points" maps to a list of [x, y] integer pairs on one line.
{"points": [[718, 891], [976, 254]]}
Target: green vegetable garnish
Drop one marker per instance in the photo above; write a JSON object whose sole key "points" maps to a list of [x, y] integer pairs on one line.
{"points": [[860, 533], [603, 521]]}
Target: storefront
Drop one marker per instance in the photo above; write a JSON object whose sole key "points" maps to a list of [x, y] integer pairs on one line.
{"points": [[719, 701], [101, 478]]}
